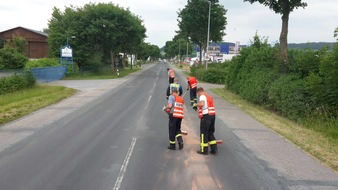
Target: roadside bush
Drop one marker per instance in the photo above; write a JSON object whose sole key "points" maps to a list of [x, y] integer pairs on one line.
{"points": [[44, 62], [289, 95], [323, 84], [16, 82], [12, 59], [215, 73], [305, 87], [255, 85]]}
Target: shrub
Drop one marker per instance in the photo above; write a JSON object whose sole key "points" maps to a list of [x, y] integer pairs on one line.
{"points": [[289, 95], [215, 73], [255, 85], [44, 62], [12, 59], [16, 82], [323, 85]]}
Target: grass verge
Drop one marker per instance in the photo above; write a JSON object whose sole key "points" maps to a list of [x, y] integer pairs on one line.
{"points": [[20, 103], [103, 75], [315, 142]]}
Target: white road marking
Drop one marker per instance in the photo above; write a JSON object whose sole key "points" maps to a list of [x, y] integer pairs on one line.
{"points": [[148, 101], [124, 165]]}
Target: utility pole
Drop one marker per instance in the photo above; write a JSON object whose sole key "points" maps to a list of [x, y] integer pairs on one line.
{"points": [[179, 52], [187, 51], [207, 52]]}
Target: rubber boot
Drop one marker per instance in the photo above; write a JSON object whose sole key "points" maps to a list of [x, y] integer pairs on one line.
{"points": [[213, 149], [172, 147], [204, 152]]}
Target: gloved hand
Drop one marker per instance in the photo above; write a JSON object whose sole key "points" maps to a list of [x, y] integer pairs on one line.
{"points": [[163, 108], [167, 97], [194, 107], [187, 89]]}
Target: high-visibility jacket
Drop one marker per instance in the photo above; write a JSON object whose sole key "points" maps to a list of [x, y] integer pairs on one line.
{"points": [[174, 85], [178, 107], [171, 73], [193, 82], [211, 108]]}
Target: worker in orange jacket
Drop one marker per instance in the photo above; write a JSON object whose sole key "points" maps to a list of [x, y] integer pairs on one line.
{"points": [[171, 75], [175, 110], [207, 114], [192, 85]]}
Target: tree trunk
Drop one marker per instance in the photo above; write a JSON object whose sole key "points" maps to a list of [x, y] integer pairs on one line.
{"points": [[200, 53], [283, 39], [124, 60], [131, 61], [112, 58]]}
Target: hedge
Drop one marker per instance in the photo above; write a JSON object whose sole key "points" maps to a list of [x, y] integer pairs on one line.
{"points": [[306, 85], [215, 73], [16, 82], [43, 62]]}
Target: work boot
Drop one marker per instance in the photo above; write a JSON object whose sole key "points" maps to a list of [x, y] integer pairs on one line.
{"points": [[203, 153], [171, 147], [180, 146], [213, 149]]}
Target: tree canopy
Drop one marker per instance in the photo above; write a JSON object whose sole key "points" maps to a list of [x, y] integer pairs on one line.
{"points": [[193, 21], [101, 31], [177, 47], [150, 51], [283, 7]]}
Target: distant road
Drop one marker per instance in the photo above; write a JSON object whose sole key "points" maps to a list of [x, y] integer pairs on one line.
{"points": [[119, 141]]}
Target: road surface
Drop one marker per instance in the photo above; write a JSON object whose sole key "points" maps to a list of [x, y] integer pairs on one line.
{"points": [[119, 141]]}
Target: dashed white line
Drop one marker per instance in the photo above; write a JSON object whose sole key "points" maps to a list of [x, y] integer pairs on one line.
{"points": [[124, 165]]}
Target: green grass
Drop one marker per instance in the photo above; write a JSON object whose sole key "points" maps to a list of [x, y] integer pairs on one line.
{"points": [[102, 75], [20, 103], [187, 73], [319, 137]]}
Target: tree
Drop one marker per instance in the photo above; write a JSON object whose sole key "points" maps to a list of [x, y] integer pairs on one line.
{"points": [[2, 43], [102, 31], [177, 47], [336, 33], [12, 55], [148, 51], [283, 7], [18, 43], [193, 22]]}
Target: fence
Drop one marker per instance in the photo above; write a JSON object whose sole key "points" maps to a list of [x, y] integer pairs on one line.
{"points": [[48, 74]]}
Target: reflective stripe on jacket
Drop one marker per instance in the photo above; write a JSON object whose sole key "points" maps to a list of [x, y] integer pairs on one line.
{"points": [[175, 85], [211, 107], [178, 107], [193, 82]]}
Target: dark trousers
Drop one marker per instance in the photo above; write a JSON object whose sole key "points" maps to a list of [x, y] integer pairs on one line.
{"points": [[175, 130], [193, 96], [207, 130], [171, 80]]}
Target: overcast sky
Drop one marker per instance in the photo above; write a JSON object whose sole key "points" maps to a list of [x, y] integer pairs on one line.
{"points": [[315, 23]]}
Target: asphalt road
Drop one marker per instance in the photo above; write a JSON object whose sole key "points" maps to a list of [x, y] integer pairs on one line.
{"points": [[120, 140]]}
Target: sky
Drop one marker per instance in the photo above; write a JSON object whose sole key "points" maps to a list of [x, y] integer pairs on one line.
{"points": [[315, 23]]}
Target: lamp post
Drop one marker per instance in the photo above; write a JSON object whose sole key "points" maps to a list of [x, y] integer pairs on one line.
{"points": [[68, 40], [187, 52], [179, 52], [206, 62]]}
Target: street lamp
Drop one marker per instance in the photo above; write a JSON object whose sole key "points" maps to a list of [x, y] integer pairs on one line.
{"points": [[207, 52], [187, 52], [70, 37], [179, 52]]}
